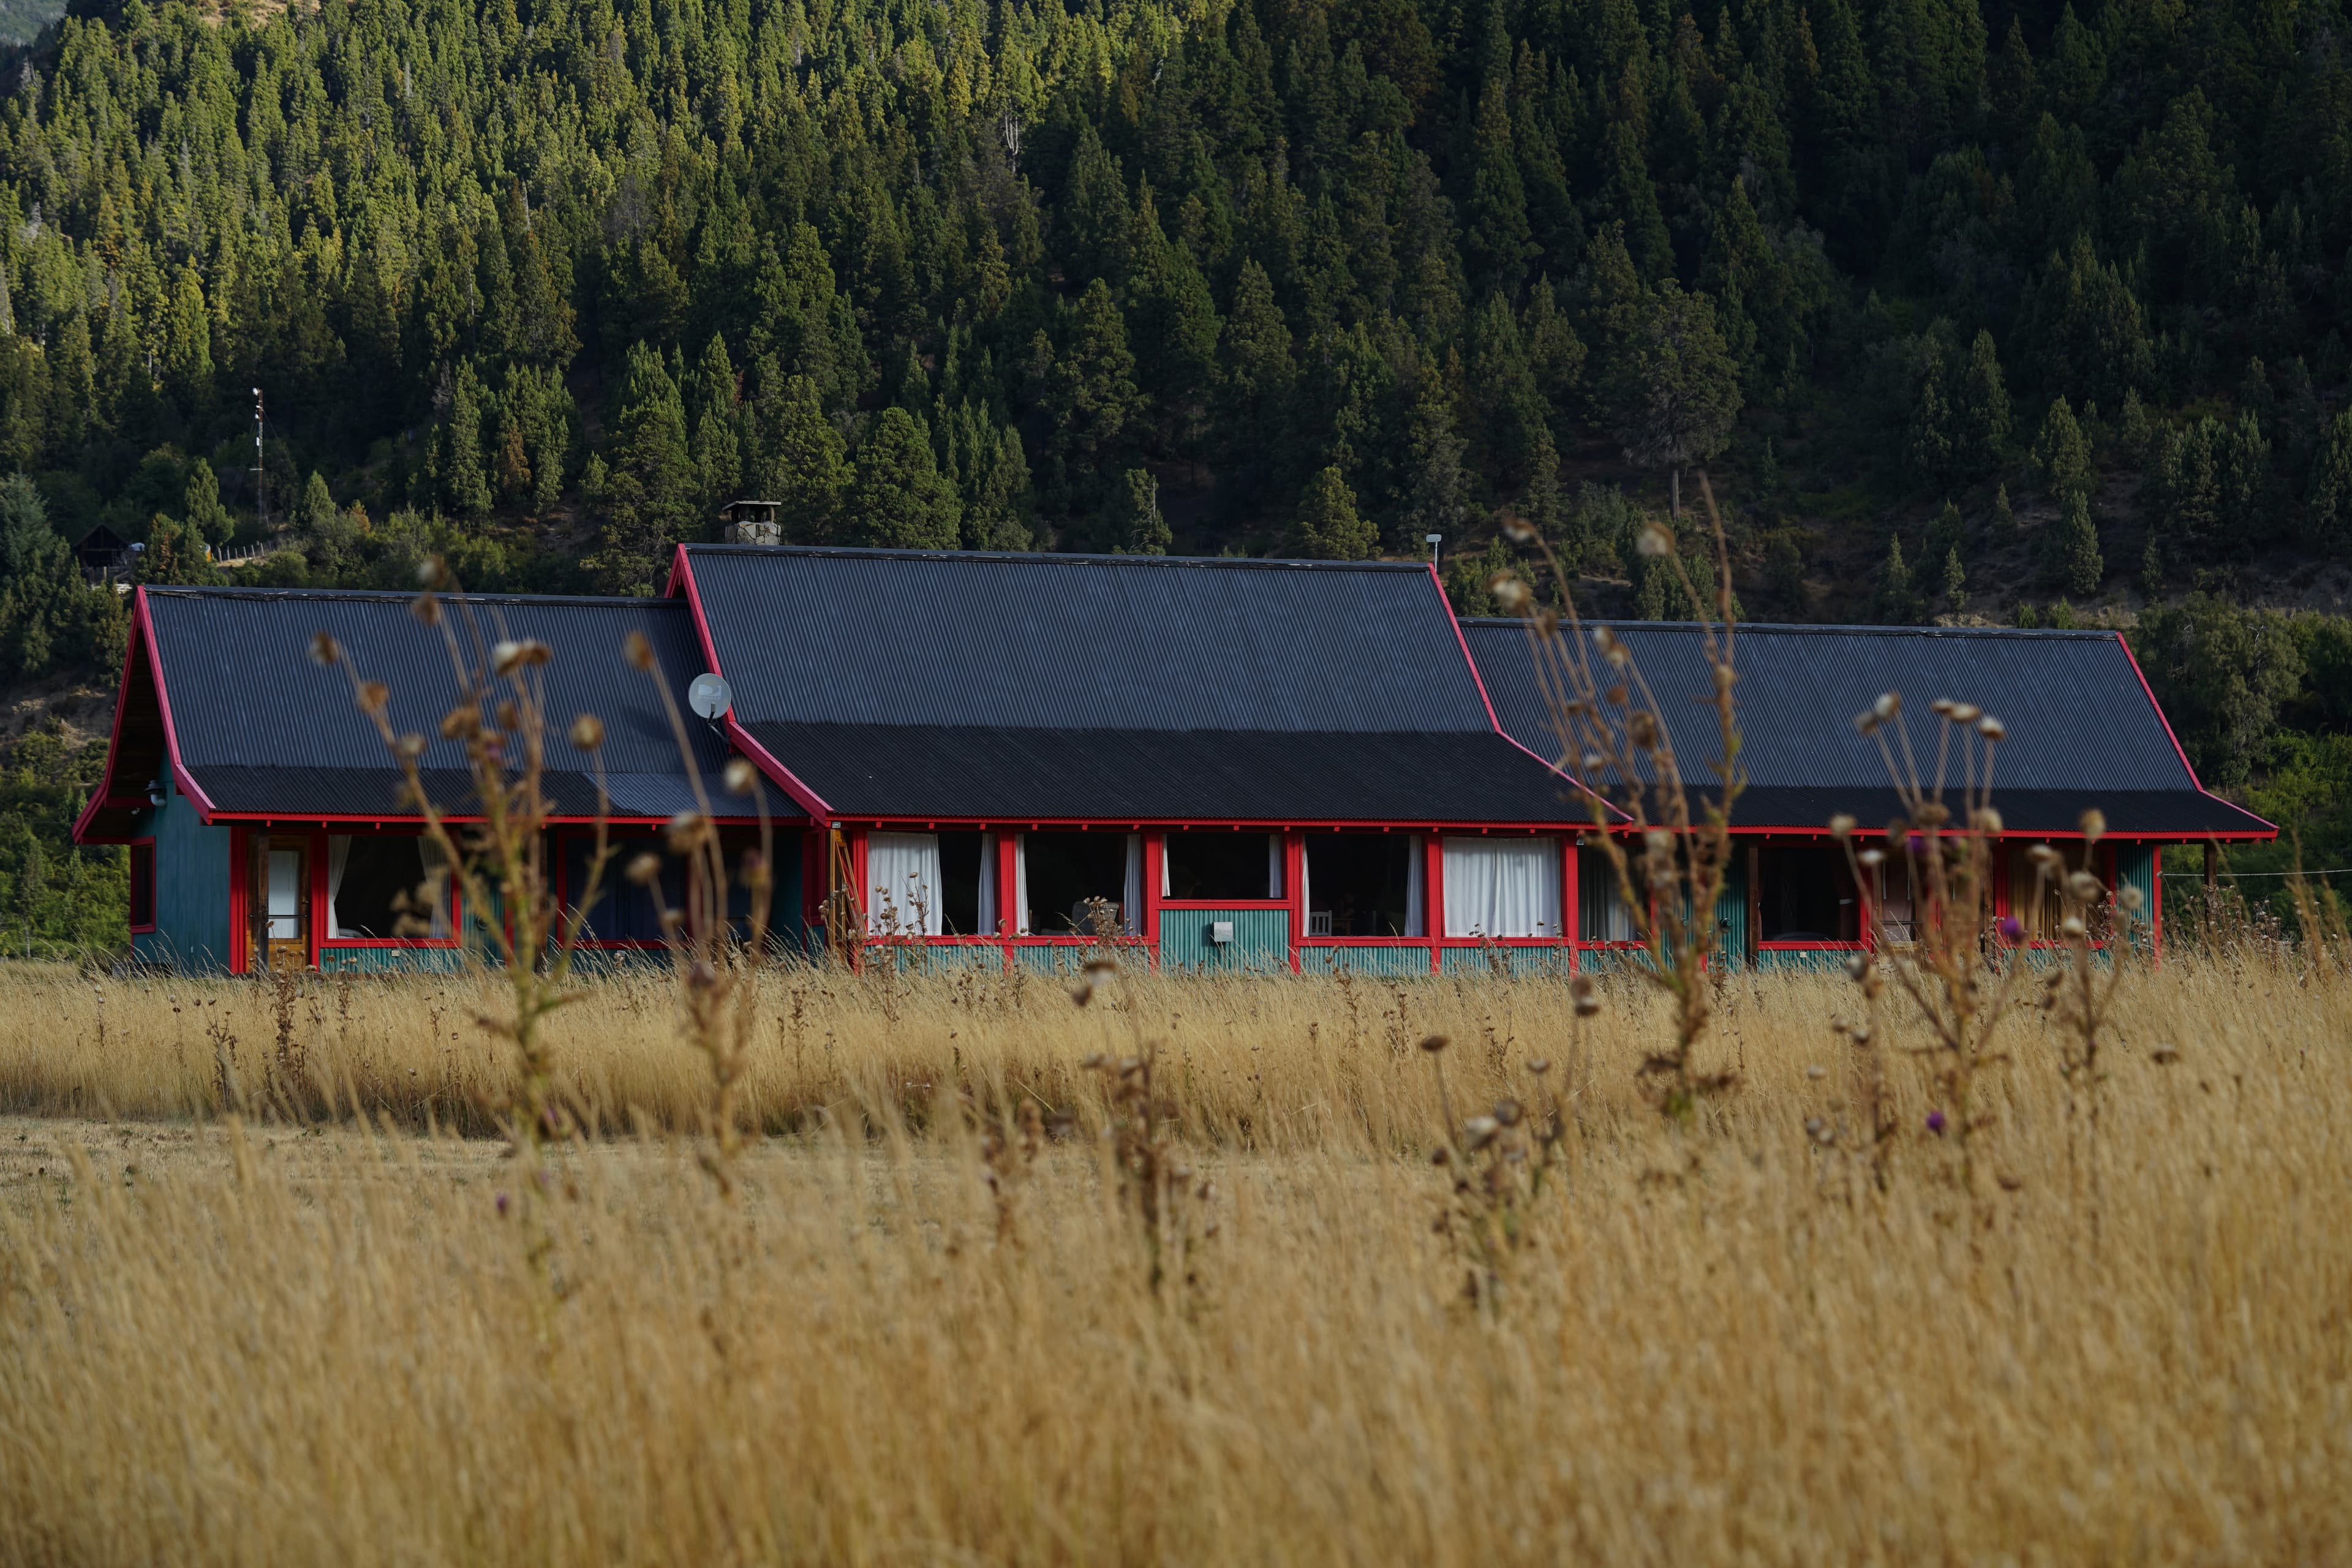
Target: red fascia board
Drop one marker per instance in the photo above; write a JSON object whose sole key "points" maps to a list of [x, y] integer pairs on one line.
{"points": [[134, 646], [1480, 681], [188, 786], [2021, 835], [416, 824], [1242, 824], [783, 778], [2179, 750]]}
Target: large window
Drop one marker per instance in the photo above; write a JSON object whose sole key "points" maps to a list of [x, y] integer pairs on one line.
{"points": [[623, 910], [382, 887], [1211, 867], [1364, 884], [142, 886], [930, 884], [1071, 884], [1805, 895], [1502, 888]]}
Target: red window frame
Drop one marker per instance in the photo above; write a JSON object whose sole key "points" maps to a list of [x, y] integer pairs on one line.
{"points": [[142, 877]]}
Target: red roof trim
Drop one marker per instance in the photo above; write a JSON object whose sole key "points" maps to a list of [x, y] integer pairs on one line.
{"points": [[681, 576], [2124, 643]]}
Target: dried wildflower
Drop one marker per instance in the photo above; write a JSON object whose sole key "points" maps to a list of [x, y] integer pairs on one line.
{"points": [[1936, 1123], [1888, 705], [1941, 707], [1987, 821], [1872, 858], [1659, 840], [1546, 621], [324, 651], [432, 571], [426, 609], [2095, 824], [1432, 1043], [637, 650], [1840, 825], [2085, 887], [742, 777], [587, 733], [373, 695], [1992, 728], [1518, 529], [1642, 729], [2131, 899], [1540, 1065], [1865, 722], [644, 868], [2010, 927], [2164, 1056], [1510, 593], [1858, 966], [410, 746], [2073, 929], [1587, 994], [686, 830], [1816, 1072], [459, 723], [1477, 1132], [1508, 1112], [2042, 855], [506, 656], [1655, 541], [1965, 713]]}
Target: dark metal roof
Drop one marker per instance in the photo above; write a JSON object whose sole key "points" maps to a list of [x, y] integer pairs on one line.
{"points": [[2083, 729], [1009, 774], [933, 684], [1083, 642], [262, 729]]}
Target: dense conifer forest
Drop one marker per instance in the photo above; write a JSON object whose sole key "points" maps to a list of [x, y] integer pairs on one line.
{"points": [[1994, 311]]}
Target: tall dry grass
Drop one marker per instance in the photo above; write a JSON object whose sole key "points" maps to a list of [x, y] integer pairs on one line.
{"points": [[920, 1334]]}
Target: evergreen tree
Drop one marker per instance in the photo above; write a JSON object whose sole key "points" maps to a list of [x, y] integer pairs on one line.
{"points": [[1437, 493], [2075, 564], [645, 479], [1680, 392], [2327, 516], [1326, 527], [805, 466], [714, 448], [1137, 520], [1956, 581], [1981, 410], [49, 620], [201, 504], [464, 476], [2062, 455], [1091, 390], [1496, 242], [901, 500], [1897, 603]]}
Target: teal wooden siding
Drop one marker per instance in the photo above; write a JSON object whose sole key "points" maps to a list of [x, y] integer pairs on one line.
{"points": [[1513, 960], [391, 960], [2135, 867], [1818, 960], [1386, 961], [1731, 912], [192, 931], [1261, 941]]}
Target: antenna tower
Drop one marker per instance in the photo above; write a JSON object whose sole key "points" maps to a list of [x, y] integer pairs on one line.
{"points": [[260, 476]]}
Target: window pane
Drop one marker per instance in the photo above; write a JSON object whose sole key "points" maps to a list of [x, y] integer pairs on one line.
{"points": [[285, 894], [1601, 912], [143, 884], [1069, 882], [1502, 887], [622, 911], [1806, 895], [902, 884], [1211, 864], [960, 874], [1363, 884], [379, 888]]}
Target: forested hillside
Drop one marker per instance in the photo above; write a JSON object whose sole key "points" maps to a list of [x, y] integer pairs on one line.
{"points": [[2008, 312]]}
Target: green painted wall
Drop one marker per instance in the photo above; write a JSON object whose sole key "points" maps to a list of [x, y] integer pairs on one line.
{"points": [[1389, 960], [2136, 868], [191, 931], [1261, 941], [1731, 912], [1511, 959]]}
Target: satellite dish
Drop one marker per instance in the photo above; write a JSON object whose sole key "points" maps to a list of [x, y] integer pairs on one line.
{"points": [[710, 696]]}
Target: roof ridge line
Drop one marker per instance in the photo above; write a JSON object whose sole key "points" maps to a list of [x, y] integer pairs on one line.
{"points": [[2089, 634], [1051, 558]]}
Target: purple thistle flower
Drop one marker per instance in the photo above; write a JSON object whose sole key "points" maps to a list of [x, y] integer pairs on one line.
{"points": [[2010, 927], [1936, 1123], [502, 1205]]}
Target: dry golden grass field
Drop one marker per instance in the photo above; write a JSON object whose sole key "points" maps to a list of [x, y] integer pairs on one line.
{"points": [[271, 1292]]}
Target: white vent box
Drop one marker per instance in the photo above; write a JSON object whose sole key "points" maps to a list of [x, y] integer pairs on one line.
{"points": [[1221, 931]]}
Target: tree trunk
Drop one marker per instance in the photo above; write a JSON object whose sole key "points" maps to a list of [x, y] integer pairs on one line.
{"points": [[1674, 486]]}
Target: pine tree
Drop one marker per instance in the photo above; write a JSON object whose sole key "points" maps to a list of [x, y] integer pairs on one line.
{"points": [[1326, 527], [805, 466], [2004, 520], [648, 484], [1898, 603], [2061, 454], [201, 504], [1981, 410], [901, 500], [1497, 243], [2075, 564], [2327, 516], [1173, 321], [1137, 520], [1437, 493], [1956, 581], [1680, 391], [714, 448], [1090, 392], [464, 476]]}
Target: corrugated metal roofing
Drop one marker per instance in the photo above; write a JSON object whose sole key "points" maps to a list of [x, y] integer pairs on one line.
{"points": [[263, 729], [1083, 642], [921, 684], [2082, 728], [1009, 773]]}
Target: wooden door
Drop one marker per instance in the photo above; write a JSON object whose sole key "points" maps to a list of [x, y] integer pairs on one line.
{"points": [[280, 900]]}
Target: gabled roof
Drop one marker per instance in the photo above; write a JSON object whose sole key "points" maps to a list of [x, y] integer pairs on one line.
{"points": [[221, 689], [2083, 729], [950, 685]]}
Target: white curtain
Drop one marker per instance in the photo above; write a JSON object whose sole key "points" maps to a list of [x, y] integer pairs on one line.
{"points": [[1164, 840], [987, 921], [1274, 864], [1416, 894], [339, 856], [1603, 916], [1020, 884], [902, 876], [437, 883], [1502, 887], [1131, 902]]}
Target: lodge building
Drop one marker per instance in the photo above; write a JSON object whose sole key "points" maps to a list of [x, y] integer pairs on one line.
{"points": [[1230, 764]]}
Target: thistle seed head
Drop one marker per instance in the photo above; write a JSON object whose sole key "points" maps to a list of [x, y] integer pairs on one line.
{"points": [[1992, 728], [2073, 929], [324, 651], [432, 571], [373, 695], [1510, 593], [410, 746], [643, 869], [2095, 824], [637, 650], [1840, 825], [742, 777], [1988, 821], [1432, 1043], [2131, 899], [587, 733], [1654, 541], [426, 609], [1888, 705]]}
